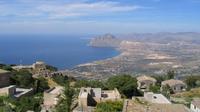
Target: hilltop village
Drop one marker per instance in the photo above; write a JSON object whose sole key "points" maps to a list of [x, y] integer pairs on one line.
{"points": [[41, 88], [154, 76]]}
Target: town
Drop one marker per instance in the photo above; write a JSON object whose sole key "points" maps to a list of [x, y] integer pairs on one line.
{"points": [[42, 88]]}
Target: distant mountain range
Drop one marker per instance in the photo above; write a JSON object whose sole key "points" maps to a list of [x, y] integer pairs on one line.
{"points": [[163, 37]]}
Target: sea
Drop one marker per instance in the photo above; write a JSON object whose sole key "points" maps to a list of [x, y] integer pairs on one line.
{"points": [[61, 51]]}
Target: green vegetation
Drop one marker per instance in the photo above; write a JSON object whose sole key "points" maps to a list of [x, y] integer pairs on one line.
{"points": [[28, 103], [22, 105], [192, 81], [154, 88], [166, 91], [109, 106], [170, 75], [51, 68], [6, 67], [41, 84], [4, 106], [126, 84], [66, 102], [22, 78], [90, 83], [59, 79]]}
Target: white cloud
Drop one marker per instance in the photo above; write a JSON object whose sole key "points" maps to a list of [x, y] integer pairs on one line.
{"points": [[62, 9]]}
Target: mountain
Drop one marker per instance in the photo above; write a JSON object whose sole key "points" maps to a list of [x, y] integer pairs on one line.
{"points": [[106, 40]]}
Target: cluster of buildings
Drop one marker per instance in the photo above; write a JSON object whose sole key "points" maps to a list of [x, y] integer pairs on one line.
{"points": [[89, 97], [144, 83], [11, 90], [158, 102]]}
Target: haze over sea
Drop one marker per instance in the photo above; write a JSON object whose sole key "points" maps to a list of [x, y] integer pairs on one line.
{"points": [[58, 50]]}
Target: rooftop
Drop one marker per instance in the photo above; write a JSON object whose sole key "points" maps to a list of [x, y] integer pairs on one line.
{"points": [[144, 77], [172, 82], [156, 98]]}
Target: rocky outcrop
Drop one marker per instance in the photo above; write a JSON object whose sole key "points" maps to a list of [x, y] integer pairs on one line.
{"points": [[106, 40]]}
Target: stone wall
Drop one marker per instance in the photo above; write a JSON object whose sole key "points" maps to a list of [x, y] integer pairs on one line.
{"points": [[4, 79]]}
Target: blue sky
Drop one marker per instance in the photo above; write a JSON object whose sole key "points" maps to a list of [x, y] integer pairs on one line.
{"points": [[98, 16]]}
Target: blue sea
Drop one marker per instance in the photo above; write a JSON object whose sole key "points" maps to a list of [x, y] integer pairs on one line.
{"points": [[61, 51]]}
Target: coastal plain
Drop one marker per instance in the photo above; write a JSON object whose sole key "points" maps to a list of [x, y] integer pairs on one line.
{"points": [[171, 51]]}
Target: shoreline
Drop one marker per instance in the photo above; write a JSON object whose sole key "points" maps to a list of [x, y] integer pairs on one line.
{"points": [[96, 61]]}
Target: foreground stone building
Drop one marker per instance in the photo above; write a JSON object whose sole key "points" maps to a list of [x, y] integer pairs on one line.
{"points": [[144, 82], [175, 85], [11, 90], [89, 97]]}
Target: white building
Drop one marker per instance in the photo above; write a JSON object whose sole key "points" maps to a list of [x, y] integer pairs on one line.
{"points": [[195, 105], [156, 98]]}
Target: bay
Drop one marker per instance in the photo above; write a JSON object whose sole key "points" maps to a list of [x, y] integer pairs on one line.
{"points": [[61, 51]]}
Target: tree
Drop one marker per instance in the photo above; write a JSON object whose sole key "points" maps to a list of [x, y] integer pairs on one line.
{"points": [[41, 84], [154, 88], [90, 83], [109, 106], [126, 84], [23, 78], [170, 74], [28, 103], [60, 79], [192, 81], [159, 79], [23, 104], [65, 103], [166, 91]]}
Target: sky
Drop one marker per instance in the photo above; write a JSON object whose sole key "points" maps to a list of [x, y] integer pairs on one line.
{"points": [[98, 16]]}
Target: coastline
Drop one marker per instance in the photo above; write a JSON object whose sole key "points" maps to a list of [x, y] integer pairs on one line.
{"points": [[62, 52]]}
